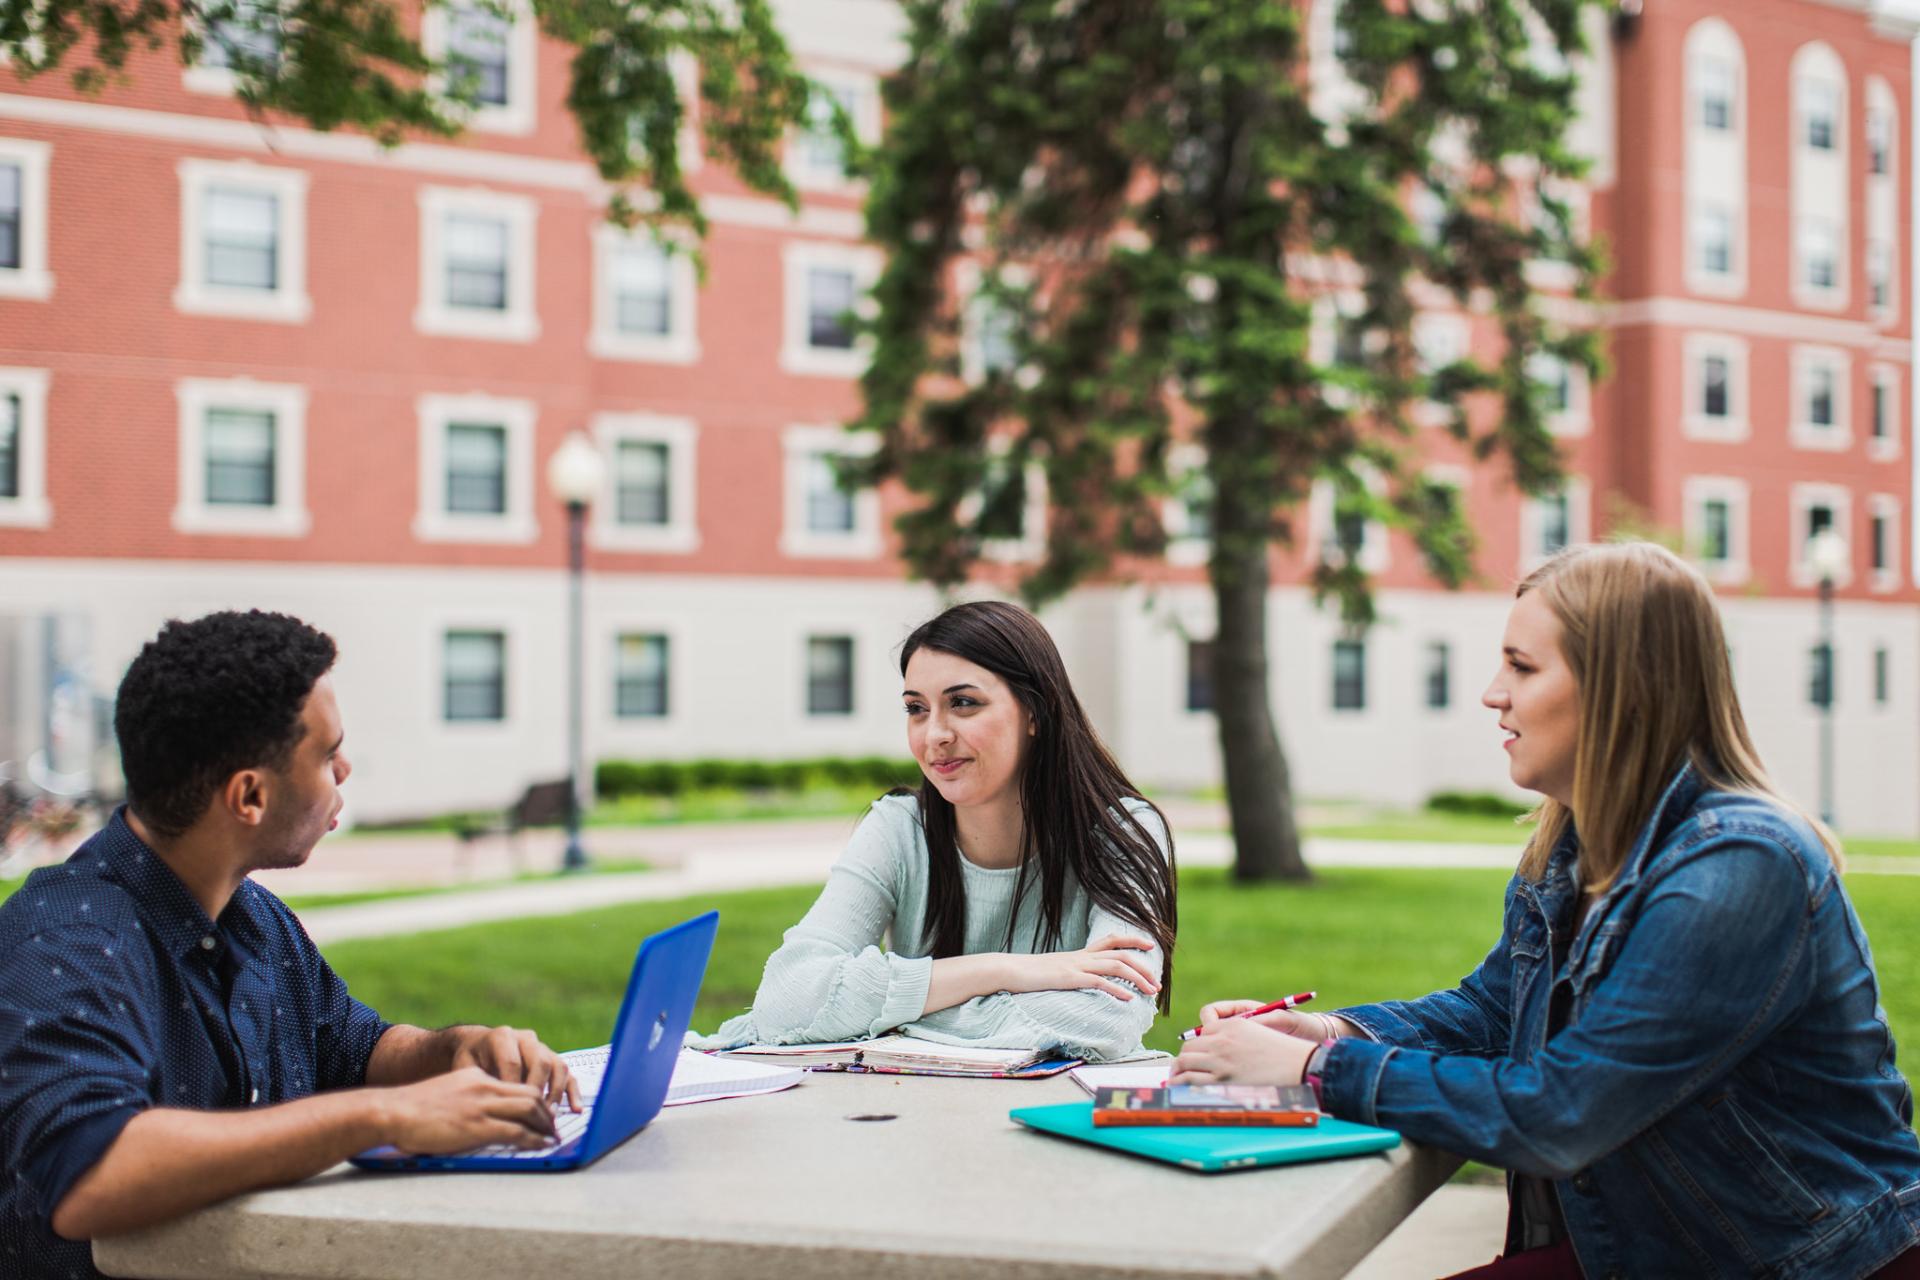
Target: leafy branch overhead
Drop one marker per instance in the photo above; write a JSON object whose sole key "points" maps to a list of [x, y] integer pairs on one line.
{"points": [[360, 64], [1162, 196]]}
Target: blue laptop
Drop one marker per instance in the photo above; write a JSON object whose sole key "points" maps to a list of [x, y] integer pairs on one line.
{"points": [[639, 1068]]}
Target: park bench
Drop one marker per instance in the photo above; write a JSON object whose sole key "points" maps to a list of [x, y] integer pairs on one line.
{"points": [[543, 804]]}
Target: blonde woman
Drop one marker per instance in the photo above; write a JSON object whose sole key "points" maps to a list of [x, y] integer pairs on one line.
{"points": [[1676, 1046]]}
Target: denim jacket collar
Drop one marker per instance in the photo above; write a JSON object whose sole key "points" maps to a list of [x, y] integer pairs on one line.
{"points": [[1675, 805]]}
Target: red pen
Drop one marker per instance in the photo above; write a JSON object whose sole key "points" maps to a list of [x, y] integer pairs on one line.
{"points": [[1285, 1002]]}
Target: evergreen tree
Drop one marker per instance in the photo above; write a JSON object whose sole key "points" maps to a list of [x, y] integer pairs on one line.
{"points": [[354, 63], [1157, 192]]}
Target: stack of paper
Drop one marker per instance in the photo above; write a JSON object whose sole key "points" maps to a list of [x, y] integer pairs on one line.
{"points": [[696, 1077], [904, 1054]]}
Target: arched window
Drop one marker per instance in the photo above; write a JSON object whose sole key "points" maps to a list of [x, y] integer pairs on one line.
{"points": [[1821, 258], [1716, 160]]}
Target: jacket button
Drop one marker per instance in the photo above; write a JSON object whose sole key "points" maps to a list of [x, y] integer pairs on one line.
{"points": [[1582, 1183]]}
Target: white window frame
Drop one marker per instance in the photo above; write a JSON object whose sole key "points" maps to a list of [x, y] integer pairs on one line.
{"points": [[857, 696], [214, 81], [1375, 547], [796, 354], [1801, 432], [1887, 448], [1695, 493], [1694, 422], [288, 516], [866, 127], [1032, 542], [1802, 498], [1577, 418], [517, 115], [681, 344], [1183, 548], [681, 436], [1455, 331], [515, 672], [1816, 174], [432, 522], [1579, 495], [31, 509], [1703, 279], [613, 723], [31, 280], [1882, 506], [519, 321], [798, 445], [968, 279], [288, 302]]}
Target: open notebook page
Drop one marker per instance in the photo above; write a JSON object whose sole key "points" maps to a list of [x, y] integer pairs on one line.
{"points": [[696, 1077]]}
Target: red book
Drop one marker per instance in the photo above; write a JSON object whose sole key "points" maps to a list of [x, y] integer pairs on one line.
{"points": [[1272, 1106]]}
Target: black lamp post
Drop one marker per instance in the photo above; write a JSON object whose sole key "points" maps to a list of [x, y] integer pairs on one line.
{"points": [[575, 474], [1827, 556]]}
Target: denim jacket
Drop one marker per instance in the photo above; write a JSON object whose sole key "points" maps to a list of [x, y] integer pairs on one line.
{"points": [[1722, 1099]]}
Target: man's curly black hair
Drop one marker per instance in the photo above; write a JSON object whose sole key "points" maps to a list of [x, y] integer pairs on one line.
{"points": [[208, 698]]}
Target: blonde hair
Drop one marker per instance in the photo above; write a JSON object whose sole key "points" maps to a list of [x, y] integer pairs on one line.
{"points": [[1641, 632]]}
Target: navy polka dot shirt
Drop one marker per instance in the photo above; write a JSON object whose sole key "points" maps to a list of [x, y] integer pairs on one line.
{"points": [[118, 994]]}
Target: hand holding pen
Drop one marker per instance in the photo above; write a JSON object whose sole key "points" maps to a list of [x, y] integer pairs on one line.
{"points": [[1285, 1002]]}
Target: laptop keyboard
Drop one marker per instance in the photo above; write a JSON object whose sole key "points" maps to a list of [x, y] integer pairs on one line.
{"points": [[571, 1125]]}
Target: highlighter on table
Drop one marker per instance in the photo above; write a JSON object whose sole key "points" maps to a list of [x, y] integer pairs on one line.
{"points": [[1285, 1002]]}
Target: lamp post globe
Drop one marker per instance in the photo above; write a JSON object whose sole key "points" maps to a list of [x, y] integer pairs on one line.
{"points": [[574, 476]]}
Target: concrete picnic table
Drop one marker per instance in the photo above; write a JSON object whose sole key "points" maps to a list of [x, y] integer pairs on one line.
{"points": [[798, 1185]]}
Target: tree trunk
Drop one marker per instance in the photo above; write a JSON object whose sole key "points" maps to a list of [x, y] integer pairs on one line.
{"points": [[1266, 840]]}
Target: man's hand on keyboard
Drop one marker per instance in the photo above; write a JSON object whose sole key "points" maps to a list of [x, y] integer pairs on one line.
{"points": [[518, 1057], [464, 1109]]}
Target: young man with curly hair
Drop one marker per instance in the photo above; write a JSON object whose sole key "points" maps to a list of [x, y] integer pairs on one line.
{"points": [[169, 1035]]}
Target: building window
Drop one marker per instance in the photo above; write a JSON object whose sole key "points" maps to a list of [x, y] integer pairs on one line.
{"points": [[829, 675], [1815, 509], [1820, 376], [1716, 93], [1349, 675], [1819, 111], [644, 299], [1713, 240], [1820, 675], [1883, 438], [23, 476], [488, 55], [476, 265], [990, 338], [23, 219], [650, 502], [476, 470], [236, 36], [1819, 253], [1715, 387], [1882, 676], [1879, 275], [1343, 533], [1879, 142], [242, 458], [816, 156], [238, 452], [1564, 389], [243, 241], [1200, 675], [640, 678], [1715, 514], [826, 289], [1555, 524], [1716, 398], [1883, 541], [476, 676], [823, 519], [1439, 675]]}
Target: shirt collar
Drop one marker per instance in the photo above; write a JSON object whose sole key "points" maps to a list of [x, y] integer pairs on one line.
{"points": [[167, 908]]}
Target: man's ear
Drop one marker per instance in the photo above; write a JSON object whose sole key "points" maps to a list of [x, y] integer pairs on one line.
{"points": [[245, 797]]}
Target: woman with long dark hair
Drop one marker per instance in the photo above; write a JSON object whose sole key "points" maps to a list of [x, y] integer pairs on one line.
{"points": [[1027, 888]]}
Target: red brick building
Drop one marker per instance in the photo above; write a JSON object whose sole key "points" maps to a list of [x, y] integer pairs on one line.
{"points": [[247, 365]]}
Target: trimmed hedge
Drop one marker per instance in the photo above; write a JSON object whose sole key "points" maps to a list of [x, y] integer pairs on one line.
{"points": [[1483, 804], [615, 778]]}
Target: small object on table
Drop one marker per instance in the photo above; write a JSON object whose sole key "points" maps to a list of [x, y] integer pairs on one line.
{"points": [[1243, 1105]]}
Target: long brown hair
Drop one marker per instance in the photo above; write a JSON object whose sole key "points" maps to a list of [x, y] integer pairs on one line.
{"points": [[1640, 629], [1073, 815]]}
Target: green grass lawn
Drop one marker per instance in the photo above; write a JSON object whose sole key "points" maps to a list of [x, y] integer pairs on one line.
{"points": [[1353, 935]]}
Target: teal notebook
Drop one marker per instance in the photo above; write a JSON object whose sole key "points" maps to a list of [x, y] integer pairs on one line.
{"points": [[1211, 1150]]}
